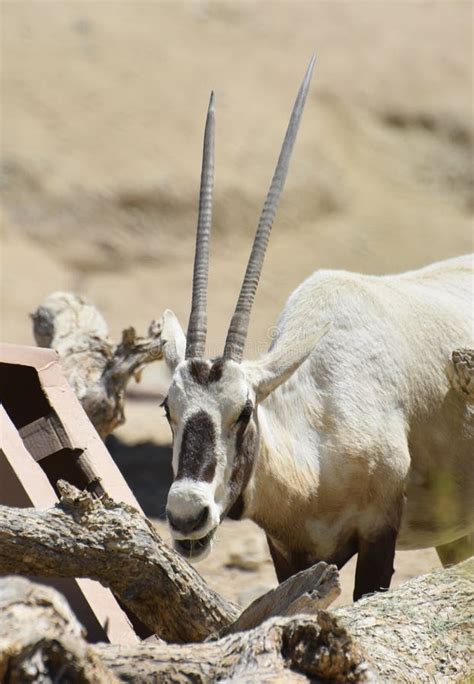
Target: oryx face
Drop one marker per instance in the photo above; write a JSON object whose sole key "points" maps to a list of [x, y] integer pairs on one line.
{"points": [[211, 405]]}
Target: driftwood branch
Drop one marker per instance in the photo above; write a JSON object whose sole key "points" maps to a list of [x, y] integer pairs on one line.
{"points": [[97, 370], [116, 545], [41, 640], [306, 593], [460, 371], [113, 543]]}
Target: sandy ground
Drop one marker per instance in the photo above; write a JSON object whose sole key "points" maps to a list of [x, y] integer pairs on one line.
{"points": [[103, 106], [242, 544]]}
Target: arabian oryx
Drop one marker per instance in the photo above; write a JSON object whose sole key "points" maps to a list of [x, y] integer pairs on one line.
{"points": [[345, 437]]}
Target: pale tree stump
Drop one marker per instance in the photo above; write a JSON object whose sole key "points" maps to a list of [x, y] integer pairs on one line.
{"points": [[97, 370]]}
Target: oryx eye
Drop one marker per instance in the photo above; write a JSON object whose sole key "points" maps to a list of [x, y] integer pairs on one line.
{"points": [[166, 408], [246, 412]]}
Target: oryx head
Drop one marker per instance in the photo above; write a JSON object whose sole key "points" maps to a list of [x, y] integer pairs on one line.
{"points": [[211, 404]]}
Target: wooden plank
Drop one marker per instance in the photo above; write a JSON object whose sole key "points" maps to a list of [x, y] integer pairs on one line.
{"points": [[44, 436], [95, 458], [24, 483]]}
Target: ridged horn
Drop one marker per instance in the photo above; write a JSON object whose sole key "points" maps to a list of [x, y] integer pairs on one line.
{"points": [[197, 326], [238, 328]]}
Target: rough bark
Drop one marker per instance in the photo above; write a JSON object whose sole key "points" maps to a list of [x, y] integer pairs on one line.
{"points": [[419, 632], [297, 649], [422, 631], [97, 370], [307, 592], [41, 640], [113, 543], [460, 371]]}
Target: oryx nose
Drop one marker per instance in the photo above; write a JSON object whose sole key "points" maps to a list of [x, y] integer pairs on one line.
{"points": [[188, 524]]}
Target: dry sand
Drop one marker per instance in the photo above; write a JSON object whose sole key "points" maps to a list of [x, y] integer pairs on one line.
{"points": [[103, 106]]}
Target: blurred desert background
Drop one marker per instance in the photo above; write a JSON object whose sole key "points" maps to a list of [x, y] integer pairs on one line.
{"points": [[102, 113]]}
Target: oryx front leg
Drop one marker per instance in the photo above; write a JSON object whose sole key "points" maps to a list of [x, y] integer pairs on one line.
{"points": [[375, 558]]}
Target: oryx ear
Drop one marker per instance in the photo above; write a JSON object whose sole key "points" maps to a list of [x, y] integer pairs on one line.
{"points": [[173, 338], [279, 364]]}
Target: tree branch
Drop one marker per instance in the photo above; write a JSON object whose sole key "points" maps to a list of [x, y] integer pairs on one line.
{"points": [[97, 370], [113, 543], [307, 592], [297, 649], [116, 545]]}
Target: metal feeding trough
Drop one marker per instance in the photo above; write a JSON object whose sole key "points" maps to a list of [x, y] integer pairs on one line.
{"points": [[45, 436]]}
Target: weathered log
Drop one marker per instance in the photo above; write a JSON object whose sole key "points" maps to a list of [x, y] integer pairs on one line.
{"points": [[97, 370], [423, 631], [307, 592], [297, 649], [113, 543], [41, 640], [460, 371]]}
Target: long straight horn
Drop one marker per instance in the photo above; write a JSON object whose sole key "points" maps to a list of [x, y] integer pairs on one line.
{"points": [[197, 326], [237, 334]]}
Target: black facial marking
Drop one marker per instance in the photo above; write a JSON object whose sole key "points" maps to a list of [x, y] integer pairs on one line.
{"points": [[199, 371], [246, 412], [215, 373], [197, 457], [203, 374], [236, 511], [245, 450]]}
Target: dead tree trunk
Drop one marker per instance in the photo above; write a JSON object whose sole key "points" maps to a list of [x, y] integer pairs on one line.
{"points": [[297, 649], [422, 631], [97, 370]]}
